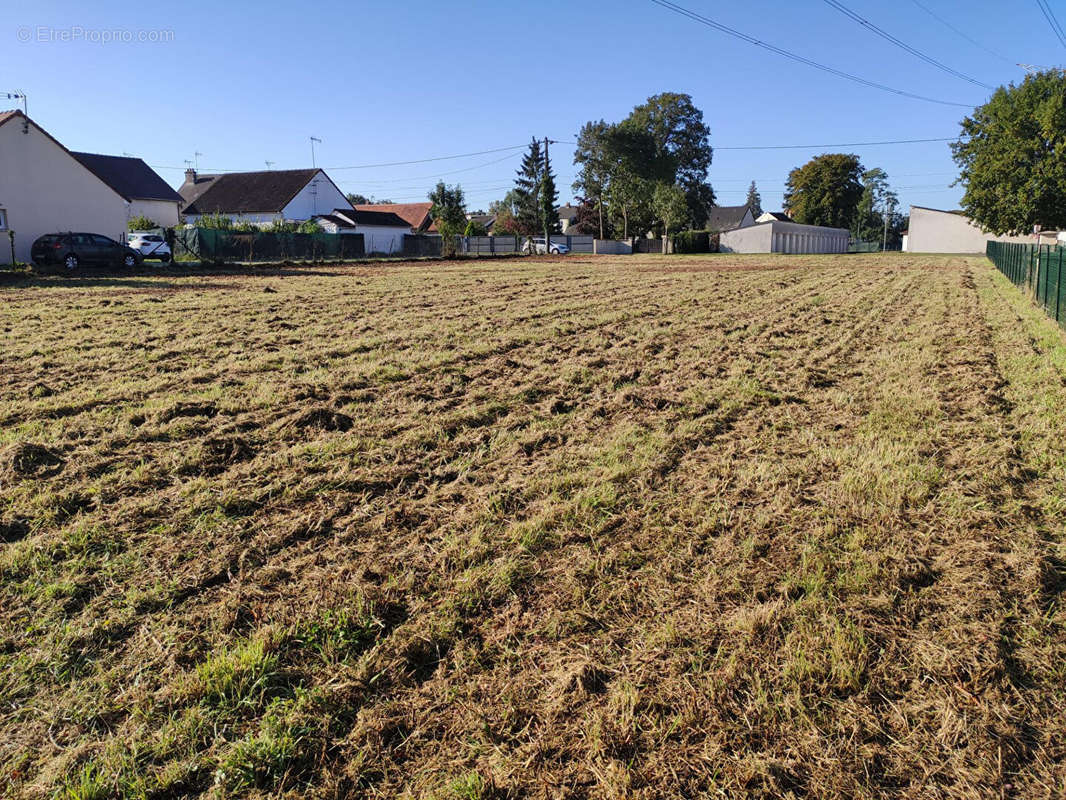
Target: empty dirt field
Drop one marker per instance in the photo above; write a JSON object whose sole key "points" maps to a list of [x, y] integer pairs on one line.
{"points": [[634, 527]]}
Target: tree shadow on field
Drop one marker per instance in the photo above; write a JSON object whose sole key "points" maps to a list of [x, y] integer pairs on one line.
{"points": [[149, 277]]}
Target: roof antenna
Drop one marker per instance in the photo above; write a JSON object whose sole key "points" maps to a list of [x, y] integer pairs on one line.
{"points": [[313, 140], [196, 160], [270, 163]]}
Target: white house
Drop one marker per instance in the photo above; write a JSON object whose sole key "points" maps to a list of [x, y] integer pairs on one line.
{"points": [[45, 189], [382, 231], [784, 237], [934, 231], [728, 218], [147, 193], [261, 198], [773, 216]]}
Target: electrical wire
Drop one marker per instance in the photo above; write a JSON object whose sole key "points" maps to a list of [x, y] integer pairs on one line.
{"points": [[838, 144], [1049, 15], [951, 27], [710, 23], [843, 9]]}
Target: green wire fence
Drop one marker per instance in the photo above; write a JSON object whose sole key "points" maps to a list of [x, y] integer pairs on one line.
{"points": [[1036, 269]]}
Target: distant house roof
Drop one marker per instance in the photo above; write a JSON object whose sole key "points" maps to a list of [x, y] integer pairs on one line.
{"points": [[485, 220], [567, 212], [726, 218], [415, 214], [780, 216], [244, 192], [384, 219], [130, 177]]}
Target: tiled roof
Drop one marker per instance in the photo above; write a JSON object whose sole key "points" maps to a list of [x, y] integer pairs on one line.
{"points": [[130, 177], [244, 192]]}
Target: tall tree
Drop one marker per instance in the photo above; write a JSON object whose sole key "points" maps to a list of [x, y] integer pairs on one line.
{"points": [[547, 200], [593, 158], [682, 147], [448, 209], [527, 190], [629, 198], [876, 205], [754, 200], [825, 191], [1012, 156], [670, 205]]}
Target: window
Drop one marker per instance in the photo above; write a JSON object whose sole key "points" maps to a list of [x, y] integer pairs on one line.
{"points": [[103, 241], [3, 220]]}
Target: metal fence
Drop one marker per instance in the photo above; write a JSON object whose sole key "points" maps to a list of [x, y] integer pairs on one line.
{"points": [[207, 244], [1037, 269]]}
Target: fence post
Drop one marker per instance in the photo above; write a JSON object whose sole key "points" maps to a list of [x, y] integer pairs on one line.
{"points": [[1058, 285]]}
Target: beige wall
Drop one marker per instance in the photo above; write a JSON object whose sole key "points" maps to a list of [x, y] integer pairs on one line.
{"points": [[933, 231], [164, 212], [45, 190]]}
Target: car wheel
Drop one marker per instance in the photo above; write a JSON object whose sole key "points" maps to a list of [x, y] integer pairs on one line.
{"points": [[129, 260], [555, 251], [71, 261]]}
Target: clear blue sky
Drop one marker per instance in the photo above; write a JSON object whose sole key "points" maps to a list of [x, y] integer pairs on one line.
{"points": [[244, 83]]}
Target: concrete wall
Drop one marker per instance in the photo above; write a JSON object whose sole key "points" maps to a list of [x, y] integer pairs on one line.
{"points": [[934, 231], [784, 237], [752, 239], [164, 212], [320, 196], [612, 247], [43, 189]]}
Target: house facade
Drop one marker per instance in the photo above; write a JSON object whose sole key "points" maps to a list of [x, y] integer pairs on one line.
{"points": [[45, 189], [146, 192], [934, 231], [261, 198], [784, 237], [773, 216]]}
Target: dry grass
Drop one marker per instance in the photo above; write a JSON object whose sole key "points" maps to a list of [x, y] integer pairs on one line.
{"points": [[635, 527]]}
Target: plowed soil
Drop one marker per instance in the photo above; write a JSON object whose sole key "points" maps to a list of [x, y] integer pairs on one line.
{"points": [[563, 528]]}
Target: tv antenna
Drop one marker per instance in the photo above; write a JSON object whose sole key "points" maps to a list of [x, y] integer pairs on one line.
{"points": [[313, 140], [270, 164]]}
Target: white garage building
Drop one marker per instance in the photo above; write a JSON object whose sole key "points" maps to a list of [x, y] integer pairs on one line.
{"points": [[784, 237], [934, 231]]}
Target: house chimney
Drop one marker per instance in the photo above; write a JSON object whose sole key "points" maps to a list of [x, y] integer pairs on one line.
{"points": [[190, 176]]}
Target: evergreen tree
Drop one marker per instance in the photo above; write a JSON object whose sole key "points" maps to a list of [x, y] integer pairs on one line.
{"points": [[527, 190], [754, 201], [549, 218]]}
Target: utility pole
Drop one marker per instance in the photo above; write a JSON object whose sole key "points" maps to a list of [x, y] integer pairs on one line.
{"points": [[543, 182], [313, 140], [884, 242]]}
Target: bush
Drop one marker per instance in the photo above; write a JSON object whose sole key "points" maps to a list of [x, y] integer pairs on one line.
{"points": [[142, 223], [692, 242]]}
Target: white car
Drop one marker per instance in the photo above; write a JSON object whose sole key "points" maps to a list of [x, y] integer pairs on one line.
{"points": [[536, 245], [150, 245]]}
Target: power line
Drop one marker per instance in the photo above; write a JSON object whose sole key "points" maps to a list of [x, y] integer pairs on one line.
{"points": [[710, 23], [951, 27], [1049, 15], [385, 164], [843, 9], [838, 144]]}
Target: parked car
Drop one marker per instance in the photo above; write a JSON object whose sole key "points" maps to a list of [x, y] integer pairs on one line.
{"points": [[75, 249], [536, 245], [150, 245]]}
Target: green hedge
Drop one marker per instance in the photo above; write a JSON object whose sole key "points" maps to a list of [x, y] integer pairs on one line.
{"points": [[695, 242]]}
